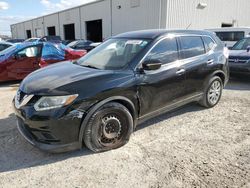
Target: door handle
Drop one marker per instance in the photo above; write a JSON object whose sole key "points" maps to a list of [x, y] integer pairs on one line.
{"points": [[210, 62], [180, 71]]}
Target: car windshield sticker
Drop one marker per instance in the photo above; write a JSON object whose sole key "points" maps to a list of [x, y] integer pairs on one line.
{"points": [[136, 42]]}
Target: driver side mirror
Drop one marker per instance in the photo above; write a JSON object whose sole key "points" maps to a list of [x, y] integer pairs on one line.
{"points": [[152, 64], [248, 48]]}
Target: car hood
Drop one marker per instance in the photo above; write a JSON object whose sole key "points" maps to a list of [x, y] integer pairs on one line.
{"points": [[69, 78], [239, 53]]}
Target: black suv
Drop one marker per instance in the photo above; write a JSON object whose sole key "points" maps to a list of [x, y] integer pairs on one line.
{"points": [[99, 99]]}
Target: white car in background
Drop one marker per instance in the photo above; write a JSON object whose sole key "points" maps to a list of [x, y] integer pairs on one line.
{"points": [[230, 35], [32, 40]]}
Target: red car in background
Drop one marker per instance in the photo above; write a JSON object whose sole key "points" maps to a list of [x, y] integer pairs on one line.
{"points": [[17, 61]]}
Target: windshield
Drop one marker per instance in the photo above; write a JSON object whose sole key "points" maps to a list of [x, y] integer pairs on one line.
{"points": [[113, 54], [72, 43], [8, 50], [242, 44]]}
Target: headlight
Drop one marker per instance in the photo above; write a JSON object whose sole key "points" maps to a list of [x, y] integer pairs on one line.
{"points": [[48, 103]]}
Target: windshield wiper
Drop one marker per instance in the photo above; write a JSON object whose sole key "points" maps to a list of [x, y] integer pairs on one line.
{"points": [[90, 66]]}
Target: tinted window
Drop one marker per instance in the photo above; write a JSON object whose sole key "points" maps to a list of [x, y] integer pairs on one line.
{"points": [[209, 43], [230, 35], [166, 51], [191, 46], [3, 46]]}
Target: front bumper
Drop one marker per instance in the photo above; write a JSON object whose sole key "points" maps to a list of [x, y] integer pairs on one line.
{"points": [[54, 131], [239, 68]]}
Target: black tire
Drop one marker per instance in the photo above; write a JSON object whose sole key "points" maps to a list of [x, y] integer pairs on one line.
{"points": [[206, 99], [108, 128]]}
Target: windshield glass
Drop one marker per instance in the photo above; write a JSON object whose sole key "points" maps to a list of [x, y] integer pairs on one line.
{"points": [[113, 54], [242, 44], [72, 43], [8, 50]]}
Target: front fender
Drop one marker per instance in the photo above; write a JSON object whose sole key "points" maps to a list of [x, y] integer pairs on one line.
{"points": [[121, 99]]}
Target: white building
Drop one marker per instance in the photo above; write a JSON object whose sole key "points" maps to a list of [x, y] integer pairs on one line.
{"points": [[104, 18]]}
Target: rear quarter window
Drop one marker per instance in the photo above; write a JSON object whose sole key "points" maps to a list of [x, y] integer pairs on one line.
{"points": [[191, 46], [209, 43]]}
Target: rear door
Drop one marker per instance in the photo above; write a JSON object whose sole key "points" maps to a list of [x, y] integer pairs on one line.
{"points": [[24, 62], [197, 60]]}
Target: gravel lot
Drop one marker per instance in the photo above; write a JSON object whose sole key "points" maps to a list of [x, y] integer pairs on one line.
{"points": [[190, 147]]}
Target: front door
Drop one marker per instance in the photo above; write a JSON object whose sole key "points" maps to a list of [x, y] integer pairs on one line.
{"points": [[165, 86], [24, 62]]}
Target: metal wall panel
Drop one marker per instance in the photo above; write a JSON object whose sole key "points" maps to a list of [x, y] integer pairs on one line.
{"points": [[28, 26], [145, 15], [96, 11], [185, 14], [50, 21], [70, 16], [38, 27]]}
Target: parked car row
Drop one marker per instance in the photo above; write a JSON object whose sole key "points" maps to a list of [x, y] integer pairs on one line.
{"points": [[17, 61], [19, 58]]}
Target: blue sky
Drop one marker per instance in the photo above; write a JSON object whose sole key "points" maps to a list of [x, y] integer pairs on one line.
{"points": [[13, 11]]}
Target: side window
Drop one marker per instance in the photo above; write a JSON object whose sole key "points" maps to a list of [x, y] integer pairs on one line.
{"points": [[209, 43], [165, 51], [29, 52], [3, 46], [191, 46]]}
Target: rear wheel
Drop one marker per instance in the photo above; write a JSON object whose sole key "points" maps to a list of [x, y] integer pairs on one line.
{"points": [[108, 128], [212, 93]]}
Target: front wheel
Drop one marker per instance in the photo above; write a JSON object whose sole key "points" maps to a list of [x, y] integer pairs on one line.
{"points": [[108, 128], [212, 92]]}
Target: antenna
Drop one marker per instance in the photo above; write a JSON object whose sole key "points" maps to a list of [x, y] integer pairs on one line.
{"points": [[188, 26]]}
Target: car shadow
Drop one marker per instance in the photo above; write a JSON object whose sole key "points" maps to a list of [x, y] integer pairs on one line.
{"points": [[193, 107], [12, 84], [16, 153]]}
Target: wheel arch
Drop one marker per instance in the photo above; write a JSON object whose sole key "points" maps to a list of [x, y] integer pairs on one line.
{"points": [[218, 73], [119, 99]]}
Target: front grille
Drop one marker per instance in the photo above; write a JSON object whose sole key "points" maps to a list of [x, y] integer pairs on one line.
{"points": [[19, 96], [235, 59]]}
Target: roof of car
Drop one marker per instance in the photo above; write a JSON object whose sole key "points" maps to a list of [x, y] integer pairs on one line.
{"points": [[3, 42], [152, 34]]}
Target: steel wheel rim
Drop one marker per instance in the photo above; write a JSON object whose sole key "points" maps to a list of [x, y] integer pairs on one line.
{"points": [[214, 92], [111, 130]]}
